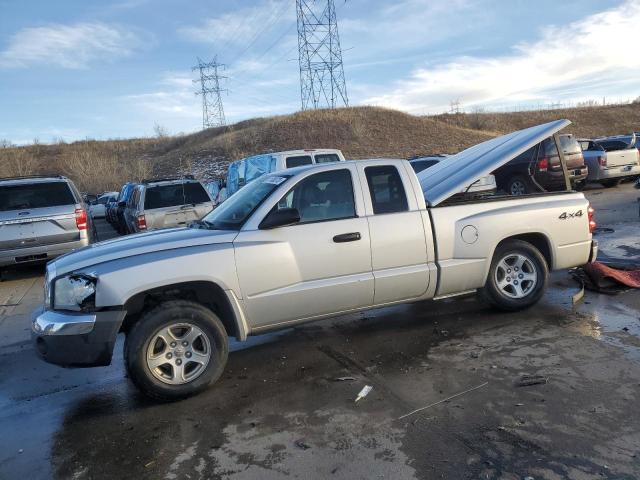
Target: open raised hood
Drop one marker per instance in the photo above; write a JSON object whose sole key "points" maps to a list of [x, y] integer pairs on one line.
{"points": [[457, 172]]}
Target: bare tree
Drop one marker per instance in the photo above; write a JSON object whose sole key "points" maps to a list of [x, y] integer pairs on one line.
{"points": [[17, 162], [4, 143], [160, 131], [478, 118]]}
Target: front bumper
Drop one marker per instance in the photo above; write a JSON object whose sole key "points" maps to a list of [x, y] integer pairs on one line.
{"points": [[73, 339]]}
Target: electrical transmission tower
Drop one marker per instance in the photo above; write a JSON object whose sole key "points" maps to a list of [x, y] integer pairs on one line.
{"points": [[212, 111], [322, 82]]}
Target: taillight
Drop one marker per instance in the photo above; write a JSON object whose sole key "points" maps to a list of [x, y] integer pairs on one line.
{"points": [[543, 164], [592, 222], [142, 222], [81, 218], [602, 160]]}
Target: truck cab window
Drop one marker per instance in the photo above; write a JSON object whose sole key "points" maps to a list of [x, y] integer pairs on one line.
{"points": [[321, 197], [298, 161], [387, 191]]}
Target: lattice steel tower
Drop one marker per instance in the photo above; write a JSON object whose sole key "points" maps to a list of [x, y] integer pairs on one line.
{"points": [[212, 110], [322, 82]]}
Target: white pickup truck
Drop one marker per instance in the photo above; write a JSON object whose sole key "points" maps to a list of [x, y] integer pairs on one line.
{"points": [[304, 244]]}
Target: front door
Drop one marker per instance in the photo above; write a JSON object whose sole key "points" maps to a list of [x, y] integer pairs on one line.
{"points": [[319, 266]]}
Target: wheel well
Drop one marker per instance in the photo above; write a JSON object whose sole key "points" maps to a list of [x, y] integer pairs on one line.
{"points": [[208, 294], [538, 240]]}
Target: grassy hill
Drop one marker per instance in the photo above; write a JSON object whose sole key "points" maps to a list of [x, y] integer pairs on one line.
{"points": [[360, 132]]}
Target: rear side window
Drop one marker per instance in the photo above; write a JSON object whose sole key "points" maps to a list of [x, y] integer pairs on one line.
{"points": [[327, 158], [569, 144], [164, 196], [35, 195], [613, 145], [298, 161], [387, 192], [420, 165]]}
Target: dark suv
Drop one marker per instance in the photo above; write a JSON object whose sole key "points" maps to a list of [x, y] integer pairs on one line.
{"points": [[539, 169], [121, 205]]}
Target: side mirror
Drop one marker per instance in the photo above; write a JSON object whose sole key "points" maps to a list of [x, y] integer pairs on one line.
{"points": [[280, 218], [122, 204]]}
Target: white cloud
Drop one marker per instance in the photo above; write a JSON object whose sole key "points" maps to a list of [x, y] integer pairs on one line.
{"points": [[238, 27], [68, 46], [580, 59]]}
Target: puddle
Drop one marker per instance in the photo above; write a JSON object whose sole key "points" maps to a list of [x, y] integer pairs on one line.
{"points": [[613, 319]]}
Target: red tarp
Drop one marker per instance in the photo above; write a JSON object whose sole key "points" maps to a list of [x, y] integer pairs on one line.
{"points": [[598, 272]]}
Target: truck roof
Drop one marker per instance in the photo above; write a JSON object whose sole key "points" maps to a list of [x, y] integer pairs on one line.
{"points": [[33, 179]]}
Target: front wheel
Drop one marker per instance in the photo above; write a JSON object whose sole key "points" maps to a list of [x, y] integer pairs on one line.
{"points": [[517, 276], [176, 350]]}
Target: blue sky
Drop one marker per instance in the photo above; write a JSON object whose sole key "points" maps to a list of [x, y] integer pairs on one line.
{"points": [[99, 69]]}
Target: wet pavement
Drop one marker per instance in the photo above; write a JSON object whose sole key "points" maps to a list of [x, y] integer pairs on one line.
{"points": [[280, 412]]}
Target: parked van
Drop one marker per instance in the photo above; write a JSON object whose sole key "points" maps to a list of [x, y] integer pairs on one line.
{"points": [[243, 171]]}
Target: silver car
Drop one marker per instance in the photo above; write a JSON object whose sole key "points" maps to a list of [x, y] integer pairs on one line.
{"points": [[40, 219], [165, 203]]}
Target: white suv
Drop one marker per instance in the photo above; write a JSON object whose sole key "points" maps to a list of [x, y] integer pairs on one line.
{"points": [[247, 169]]}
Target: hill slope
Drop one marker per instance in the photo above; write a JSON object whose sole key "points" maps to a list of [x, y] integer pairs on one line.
{"points": [[360, 132]]}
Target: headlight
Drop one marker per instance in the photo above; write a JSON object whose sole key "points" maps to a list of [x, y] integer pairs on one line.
{"points": [[74, 292]]}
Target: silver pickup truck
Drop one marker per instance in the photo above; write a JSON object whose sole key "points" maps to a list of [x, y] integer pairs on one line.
{"points": [[304, 244]]}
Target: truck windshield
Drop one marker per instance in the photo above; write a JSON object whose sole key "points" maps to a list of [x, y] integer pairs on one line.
{"points": [[234, 212]]}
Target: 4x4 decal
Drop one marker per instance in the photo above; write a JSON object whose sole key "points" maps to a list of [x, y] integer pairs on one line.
{"points": [[565, 215]]}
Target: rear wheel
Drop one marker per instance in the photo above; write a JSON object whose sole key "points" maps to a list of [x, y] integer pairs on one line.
{"points": [[517, 186], [610, 183], [176, 350], [517, 276]]}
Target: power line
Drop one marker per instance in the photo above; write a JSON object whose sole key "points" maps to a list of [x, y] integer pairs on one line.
{"points": [[322, 82], [273, 20], [212, 110]]}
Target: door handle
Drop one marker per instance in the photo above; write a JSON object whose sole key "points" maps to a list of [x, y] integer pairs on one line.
{"points": [[347, 237]]}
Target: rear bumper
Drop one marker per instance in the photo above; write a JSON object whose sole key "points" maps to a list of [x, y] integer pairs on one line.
{"points": [[594, 251], [71, 339], [578, 175], [41, 253], [623, 171]]}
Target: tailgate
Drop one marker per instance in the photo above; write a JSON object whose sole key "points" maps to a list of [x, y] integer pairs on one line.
{"points": [[38, 226], [15, 232], [53, 225], [618, 158], [574, 161]]}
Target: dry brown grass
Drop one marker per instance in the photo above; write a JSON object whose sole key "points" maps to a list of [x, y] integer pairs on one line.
{"points": [[588, 122], [94, 166], [360, 132]]}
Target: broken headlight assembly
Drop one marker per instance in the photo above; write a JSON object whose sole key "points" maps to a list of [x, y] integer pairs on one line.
{"points": [[76, 292]]}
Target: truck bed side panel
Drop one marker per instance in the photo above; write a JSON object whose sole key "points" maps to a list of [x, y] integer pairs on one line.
{"points": [[466, 235]]}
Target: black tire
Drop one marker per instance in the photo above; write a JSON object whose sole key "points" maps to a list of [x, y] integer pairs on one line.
{"points": [[517, 185], [144, 331], [504, 298], [610, 183]]}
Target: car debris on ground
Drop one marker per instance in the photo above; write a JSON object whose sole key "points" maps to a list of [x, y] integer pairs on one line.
{"points": [[529, 380], [607, 277], [364, 392], [443, 400]]}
